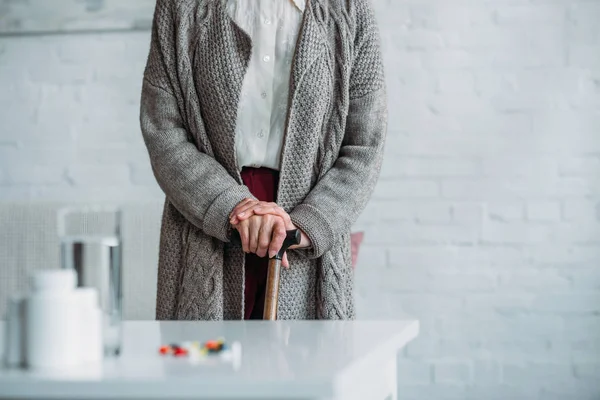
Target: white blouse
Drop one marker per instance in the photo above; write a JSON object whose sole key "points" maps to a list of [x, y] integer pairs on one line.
{"points": [[273, 26]]}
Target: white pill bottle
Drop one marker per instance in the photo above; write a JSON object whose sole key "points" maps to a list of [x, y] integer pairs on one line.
{"points": [[52, 318]]}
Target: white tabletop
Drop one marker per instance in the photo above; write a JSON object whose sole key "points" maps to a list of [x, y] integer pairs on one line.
{"points": [[281, 359]]}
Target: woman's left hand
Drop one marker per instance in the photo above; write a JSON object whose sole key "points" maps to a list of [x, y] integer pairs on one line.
{"points": [[250, 207]]}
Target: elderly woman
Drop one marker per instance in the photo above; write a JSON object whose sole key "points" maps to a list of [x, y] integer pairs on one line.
{"points": [[261, 116]]}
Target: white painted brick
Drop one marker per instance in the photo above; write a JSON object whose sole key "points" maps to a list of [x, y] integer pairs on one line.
{"points": [[463, 258], [417, 39], [458, 372], [563, 255], [115, 153], [141, 174], [543, 211], [532, 52], [65, 192], [414, 373], [521, 166], [400, 15], [414, 81], [534, 280], [410, 59], [437, 280], [483, 38], [585, 279], [486, 372], [515, 233], [67, 74], [574, 303], [583, 13], [437, 142], [587, 370], [430, 213], [493, 82], [494, 129], [581, 390], [453, 58], [500, 327], [501, 188], [504, 303], [94, 175], [450, 82], [585, 232], [467, 213], [371, 257], [100, 49], [554, 14], [373, 305], [20, 51], [519, 102], [425, 212], [521, 373], [535, 89], [501, 392], [430, 256], [582, 327], [580, 166], [583, 350], [427, 304], [36, 174], [393, 189], [431, 166], [378, 211], [442, 16], [583, 56], [414, 234], [420, 121], [437, 392], [582, 24], [581, 129], [515, 349], [44, 155], [505, 211], [424, 346], [452, 348]]}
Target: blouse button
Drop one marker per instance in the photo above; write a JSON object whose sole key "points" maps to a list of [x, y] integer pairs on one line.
{"points": [[267, 21], [263, 95], [261, 134], [266, 58]]}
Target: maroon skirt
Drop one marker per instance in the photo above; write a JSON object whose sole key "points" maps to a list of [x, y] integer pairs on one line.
{"points": [[262, 183]]}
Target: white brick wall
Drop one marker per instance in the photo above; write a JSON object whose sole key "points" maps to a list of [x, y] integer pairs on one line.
{"points": [[486, 222]]}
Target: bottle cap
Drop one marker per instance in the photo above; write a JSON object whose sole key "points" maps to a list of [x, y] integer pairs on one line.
{"points": [[54, 279]]}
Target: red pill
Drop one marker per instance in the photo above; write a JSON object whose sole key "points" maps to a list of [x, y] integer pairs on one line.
{"points": [[180, 351], [165, 350], [211, 345]]}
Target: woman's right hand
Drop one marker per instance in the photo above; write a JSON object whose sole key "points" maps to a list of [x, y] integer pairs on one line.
{"points": [[262, 235]]}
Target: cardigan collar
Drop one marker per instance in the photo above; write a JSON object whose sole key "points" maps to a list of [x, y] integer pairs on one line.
{"points": [[301, 4]]}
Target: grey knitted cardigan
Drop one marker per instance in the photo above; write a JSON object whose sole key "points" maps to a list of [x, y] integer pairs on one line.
{"points": [[335, 134]]}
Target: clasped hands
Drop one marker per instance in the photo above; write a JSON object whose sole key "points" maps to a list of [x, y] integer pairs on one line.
{"points": [[262, 227]]}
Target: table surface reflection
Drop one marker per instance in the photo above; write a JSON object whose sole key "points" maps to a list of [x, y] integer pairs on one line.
{"points": [[281, 359]]}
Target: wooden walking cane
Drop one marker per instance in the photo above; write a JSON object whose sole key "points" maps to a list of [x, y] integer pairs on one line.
{"points": [[273, 274]]}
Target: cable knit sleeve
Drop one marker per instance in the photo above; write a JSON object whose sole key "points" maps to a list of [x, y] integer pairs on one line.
{"points": [[340, 196], [194, 182]]}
